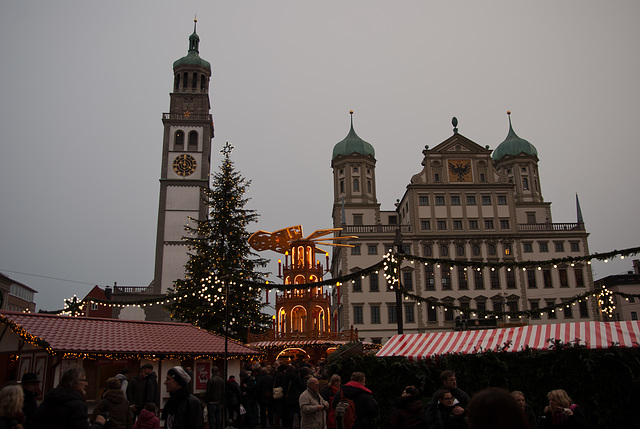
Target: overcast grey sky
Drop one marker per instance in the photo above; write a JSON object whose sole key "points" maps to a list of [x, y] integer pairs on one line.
{"points": [[83, 86]]}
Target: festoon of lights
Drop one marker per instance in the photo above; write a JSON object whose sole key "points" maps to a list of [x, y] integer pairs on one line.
{"points": [[390, 264]]}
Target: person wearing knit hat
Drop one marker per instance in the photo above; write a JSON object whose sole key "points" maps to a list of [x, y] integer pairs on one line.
{"points": [[183, 410]]}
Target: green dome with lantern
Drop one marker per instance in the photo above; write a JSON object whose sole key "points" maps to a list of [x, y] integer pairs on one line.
{"points": [[192, 58], [513, 145], [352, 144]]}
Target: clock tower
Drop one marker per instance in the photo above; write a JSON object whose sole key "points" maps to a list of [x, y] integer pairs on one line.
{"points": [[186, 157]]}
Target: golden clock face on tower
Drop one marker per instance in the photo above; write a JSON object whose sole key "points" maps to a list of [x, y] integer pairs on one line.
{"points": [[184, 165], [460, 170]]}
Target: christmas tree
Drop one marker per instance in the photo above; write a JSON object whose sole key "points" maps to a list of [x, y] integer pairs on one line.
{"points": [[220, 257]]}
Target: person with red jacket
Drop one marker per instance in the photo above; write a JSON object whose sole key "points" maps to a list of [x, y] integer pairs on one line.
{"points": [[148, 418]]}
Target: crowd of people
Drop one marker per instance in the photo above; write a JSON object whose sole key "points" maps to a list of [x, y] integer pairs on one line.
{"points": [[279, 396]]}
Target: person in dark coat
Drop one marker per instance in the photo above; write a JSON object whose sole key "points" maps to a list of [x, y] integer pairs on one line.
{"points": [[64, 407], [151, 388], [447, 414], [278, 403], [264, 384], [115, 403], [135, 393], [213, 399], [530, 415], [409, 411], [450, 383], [249, 398], [233, 395], [29, 385], [183, 410], [293, 388], [367, 408]]}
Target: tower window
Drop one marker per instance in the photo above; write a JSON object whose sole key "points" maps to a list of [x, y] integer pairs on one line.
{"points": [[482, 179], [525, 183], [356, 185], [193, 139], [194, 81], [437, 177], [342, 186], [176, 83], [184, 82], [369, 186], [203, 82], [179, 141]]}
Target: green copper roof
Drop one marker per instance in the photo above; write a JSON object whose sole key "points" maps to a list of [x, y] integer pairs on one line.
{"points": [[352, 144], [513, 145], [192, 58]]}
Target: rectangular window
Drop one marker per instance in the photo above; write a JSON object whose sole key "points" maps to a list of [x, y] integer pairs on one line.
{"points": [[471, 200], [512, 305], [372, 249], [533, 305], [463, 284], [473, 224], [564, 280], [511, 279], [432, 313], [575, 246], [478, 279], [579, 278], [357, 219], [375, 314], [455, 200], [393, 220], [559, 246], [425, 225], [442, 224], [430, 283], [391, 309], [502, 200], [527, 247], [409, 315], [531, 218], [488, 224], [568, 312], [504, 223], [448, 314], [634, 315], [357, 284], [446, 277], [495, 279], [457, 224], [423, 200], [544, 247], [486, 200], [531, 279], [584, 310], [357, 315], [407, 280], [373, 282], [546, 275], [481, 305], [355, 250], [376, 340], [497, 305], [552, 313], [439, 201]]}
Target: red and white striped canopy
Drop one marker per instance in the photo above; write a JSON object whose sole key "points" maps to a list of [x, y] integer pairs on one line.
{"points": [[594, 335]]}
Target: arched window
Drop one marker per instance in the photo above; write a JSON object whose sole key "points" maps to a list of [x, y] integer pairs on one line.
{"points": [[179, 141], [444, 250], [176, 82], [184, 82], [193, 139], [525, 183], [476, 250], [460, 250], [427, 250], [369, 186], [356, 185], [507, 249], [194, 83], [203, 82], [342, 186], [492, 249]]}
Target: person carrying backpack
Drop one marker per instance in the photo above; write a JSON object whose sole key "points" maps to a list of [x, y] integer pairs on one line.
{"points": [[363, 408]]}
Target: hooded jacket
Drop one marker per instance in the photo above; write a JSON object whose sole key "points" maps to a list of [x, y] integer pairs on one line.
{"points": [[116, 404], [367, 408]]}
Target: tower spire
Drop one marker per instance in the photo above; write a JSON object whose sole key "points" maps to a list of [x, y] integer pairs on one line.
{"points": [[578, 210]]}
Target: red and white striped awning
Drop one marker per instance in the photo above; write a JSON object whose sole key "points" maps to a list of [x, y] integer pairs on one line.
{"points": [[297, 343], [594, 335]]}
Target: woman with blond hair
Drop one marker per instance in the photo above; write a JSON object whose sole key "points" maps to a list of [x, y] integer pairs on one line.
{"points": [[561, 412], [11, 401]]}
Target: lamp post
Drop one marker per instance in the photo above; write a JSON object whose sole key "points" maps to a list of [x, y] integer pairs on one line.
{"points": [[397, 242]]}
